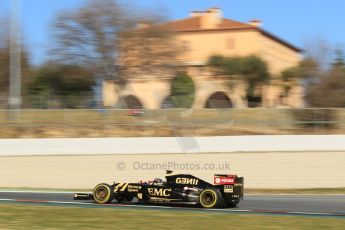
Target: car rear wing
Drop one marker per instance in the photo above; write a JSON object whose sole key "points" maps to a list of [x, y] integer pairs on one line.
{"points": [[239, 186], [236, 183], [224, 179]]}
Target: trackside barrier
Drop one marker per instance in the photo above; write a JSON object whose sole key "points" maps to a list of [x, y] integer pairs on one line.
{"points": [[166, 145]]}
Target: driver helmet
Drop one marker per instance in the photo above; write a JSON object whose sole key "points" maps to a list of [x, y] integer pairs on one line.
{"points": [[158, 180]]}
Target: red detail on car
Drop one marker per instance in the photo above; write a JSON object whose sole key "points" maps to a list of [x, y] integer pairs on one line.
{"points": [[224, 180]]}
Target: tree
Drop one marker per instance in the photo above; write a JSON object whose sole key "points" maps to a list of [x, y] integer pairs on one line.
{"points": [[339, 59], [182, 91], [324, 87], [67, 84], [328, 91], [251, 68], [320, 51], [226, 65], [151, 49], [88, 36], [255, 71], [307, 70]]}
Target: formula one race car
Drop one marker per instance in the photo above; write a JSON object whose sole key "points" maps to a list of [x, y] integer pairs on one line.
{"points": [[226, 191]]}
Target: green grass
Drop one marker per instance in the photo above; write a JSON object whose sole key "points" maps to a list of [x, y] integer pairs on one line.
{"points": [[181, 122], [159, 116], [50, 217]]}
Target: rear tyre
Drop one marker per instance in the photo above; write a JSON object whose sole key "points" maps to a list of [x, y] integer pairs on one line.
{"points": [[103, 193], [210, 198]]}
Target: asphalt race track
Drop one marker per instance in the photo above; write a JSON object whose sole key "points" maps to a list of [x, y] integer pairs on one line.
{"points": [[314, 205]]}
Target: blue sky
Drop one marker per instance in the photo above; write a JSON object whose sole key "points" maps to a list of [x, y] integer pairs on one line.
{"points": [[297, 21]]}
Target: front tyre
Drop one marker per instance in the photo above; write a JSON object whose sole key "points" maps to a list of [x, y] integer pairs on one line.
{"points": [[103, 194], [210, 198]]}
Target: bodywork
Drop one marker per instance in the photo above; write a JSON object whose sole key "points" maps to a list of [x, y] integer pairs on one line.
{"points": [[177, 189]]}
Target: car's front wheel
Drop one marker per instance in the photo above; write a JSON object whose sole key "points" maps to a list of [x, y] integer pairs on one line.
{"points": [[103, 193], [210, 198]]}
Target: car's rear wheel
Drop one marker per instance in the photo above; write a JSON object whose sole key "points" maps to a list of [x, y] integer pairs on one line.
{"points": [[103, 193], [210, 198]]}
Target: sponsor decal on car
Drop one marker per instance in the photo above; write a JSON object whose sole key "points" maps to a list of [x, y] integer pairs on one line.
{"points": [[133, 188], [224, 180], [120, 187], [140, 196], [159, 192], [190, 181], [228, 189]]}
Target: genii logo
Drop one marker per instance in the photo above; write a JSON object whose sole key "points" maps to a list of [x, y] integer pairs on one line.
{"points": [[159, 192], [224, 180], [190, 181]]}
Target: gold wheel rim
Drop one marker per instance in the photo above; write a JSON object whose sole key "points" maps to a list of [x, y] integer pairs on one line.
{"points": [[101, 194], [208, 198]]}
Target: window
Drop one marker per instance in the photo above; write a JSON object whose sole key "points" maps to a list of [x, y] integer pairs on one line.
{"points": [[230, 43]]}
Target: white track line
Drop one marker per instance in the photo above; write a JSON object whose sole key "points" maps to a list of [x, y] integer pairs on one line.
{"points": [[310, 213], [7, 200], [68, 202]]}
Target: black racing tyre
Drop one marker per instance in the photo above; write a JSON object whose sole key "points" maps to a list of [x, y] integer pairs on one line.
{"points": [[210, 198], [103, 193]]}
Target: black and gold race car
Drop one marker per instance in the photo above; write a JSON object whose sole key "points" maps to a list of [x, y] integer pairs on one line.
{"points": [[226, 191]]}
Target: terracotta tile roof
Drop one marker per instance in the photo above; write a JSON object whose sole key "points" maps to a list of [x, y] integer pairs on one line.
{"points": [[184, 25], [231, 24], [194, 24]]}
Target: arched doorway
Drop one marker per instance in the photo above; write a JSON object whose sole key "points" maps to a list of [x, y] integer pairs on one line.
{"points": [[167, 103], [132, 102], [218, 100]]}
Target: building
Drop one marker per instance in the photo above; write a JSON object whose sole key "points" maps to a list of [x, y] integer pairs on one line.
{"points": [[207, 33]]}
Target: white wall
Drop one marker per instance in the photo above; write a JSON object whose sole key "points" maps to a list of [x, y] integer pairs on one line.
{"points": [[264, 161], [260, 170], [156, 145]]}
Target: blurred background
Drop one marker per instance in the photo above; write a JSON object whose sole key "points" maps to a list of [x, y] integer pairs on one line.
{"points": [[204, 73], [106, 68]]}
